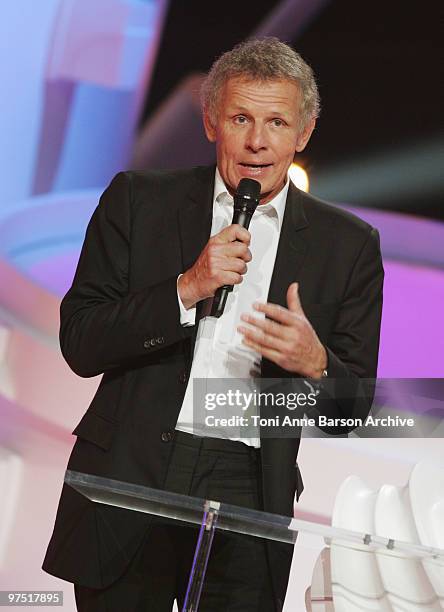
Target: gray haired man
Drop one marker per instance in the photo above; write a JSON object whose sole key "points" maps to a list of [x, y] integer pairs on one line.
{"points": [[306, 302]]}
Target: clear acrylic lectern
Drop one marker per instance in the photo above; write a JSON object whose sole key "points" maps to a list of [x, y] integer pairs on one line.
{"points": [[212, 515]]}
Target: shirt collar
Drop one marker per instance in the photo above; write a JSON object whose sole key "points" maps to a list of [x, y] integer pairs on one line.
{"points": [[222, 196]]}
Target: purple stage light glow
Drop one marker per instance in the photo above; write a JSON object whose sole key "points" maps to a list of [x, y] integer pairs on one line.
{"points": [[412, 342]]}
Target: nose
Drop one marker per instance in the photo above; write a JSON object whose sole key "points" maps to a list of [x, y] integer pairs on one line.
{"points": [[256, 139]]}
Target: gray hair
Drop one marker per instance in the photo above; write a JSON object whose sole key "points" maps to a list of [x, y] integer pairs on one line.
{"points": [[262, 59]]}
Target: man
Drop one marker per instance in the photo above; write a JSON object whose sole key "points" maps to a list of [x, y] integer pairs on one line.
{"points": [[307, 302]]}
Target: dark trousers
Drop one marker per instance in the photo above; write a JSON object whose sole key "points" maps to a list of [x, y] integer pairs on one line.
{"points": [[237, 577]]}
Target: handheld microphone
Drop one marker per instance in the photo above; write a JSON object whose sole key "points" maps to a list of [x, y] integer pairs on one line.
{"points": [[246, 200]]}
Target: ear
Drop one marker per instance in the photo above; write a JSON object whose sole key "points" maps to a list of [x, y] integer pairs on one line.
{"points": [[304, 136], [210, 130]]}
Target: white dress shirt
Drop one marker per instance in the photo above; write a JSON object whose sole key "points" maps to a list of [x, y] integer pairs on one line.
{"points": [[218, 351]]}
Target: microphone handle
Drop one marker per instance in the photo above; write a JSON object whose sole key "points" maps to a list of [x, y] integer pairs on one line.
{"points": [[243, 218]]}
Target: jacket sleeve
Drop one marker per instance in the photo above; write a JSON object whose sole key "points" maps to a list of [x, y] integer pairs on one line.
{"points": [[354, 342], [103, 324]]}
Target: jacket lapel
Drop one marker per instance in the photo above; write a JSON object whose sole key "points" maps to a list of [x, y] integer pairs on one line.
{"points": [[292, 248], [195, 219], [195, 216]]}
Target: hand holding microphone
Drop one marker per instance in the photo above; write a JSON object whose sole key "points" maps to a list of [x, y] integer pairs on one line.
{"points": [[223, 261], [246, 200]]}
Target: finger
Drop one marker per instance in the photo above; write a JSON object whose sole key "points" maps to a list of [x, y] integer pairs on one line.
{"points": [[268, 353], [230, 278], [233, 264], [241, 233], [233, 232], [277, 313], [263, 339], [270, 327], [237, 249], [293, 300]]}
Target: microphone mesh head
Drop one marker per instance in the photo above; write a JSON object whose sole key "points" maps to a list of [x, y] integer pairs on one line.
{"points": [[249, 187]]}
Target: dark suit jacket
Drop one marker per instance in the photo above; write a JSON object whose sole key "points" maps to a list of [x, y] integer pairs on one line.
{"points": [[121, 318]]}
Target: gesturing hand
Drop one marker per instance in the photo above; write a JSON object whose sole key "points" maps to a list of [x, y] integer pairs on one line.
{"points": [[288, 339]]}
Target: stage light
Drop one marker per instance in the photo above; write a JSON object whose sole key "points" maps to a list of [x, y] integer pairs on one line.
{"points": [[299, 177]]}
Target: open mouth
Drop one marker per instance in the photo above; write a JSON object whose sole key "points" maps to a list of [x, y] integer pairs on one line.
{"points": [[255, 165]]}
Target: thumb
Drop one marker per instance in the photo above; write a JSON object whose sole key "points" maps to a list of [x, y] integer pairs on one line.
{"points": [[293, 301]]}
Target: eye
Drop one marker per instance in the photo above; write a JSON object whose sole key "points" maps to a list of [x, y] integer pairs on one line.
{"points": [[240, 119], [277, 122]]}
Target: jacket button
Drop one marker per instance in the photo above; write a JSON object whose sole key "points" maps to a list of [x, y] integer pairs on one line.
{"points": [[183, 377], [166, 436], [146, 344], [160, 340], [153, 342]]}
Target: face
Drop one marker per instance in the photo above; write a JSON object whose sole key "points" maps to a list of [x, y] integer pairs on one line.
{"points": [[257, 132]]}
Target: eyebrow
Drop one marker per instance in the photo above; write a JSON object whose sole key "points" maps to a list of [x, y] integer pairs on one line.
{"points": [[242, 109]]}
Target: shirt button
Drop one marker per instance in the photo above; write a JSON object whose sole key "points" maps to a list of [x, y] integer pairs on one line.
{"points": [[183, 377], [166, 436]]}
